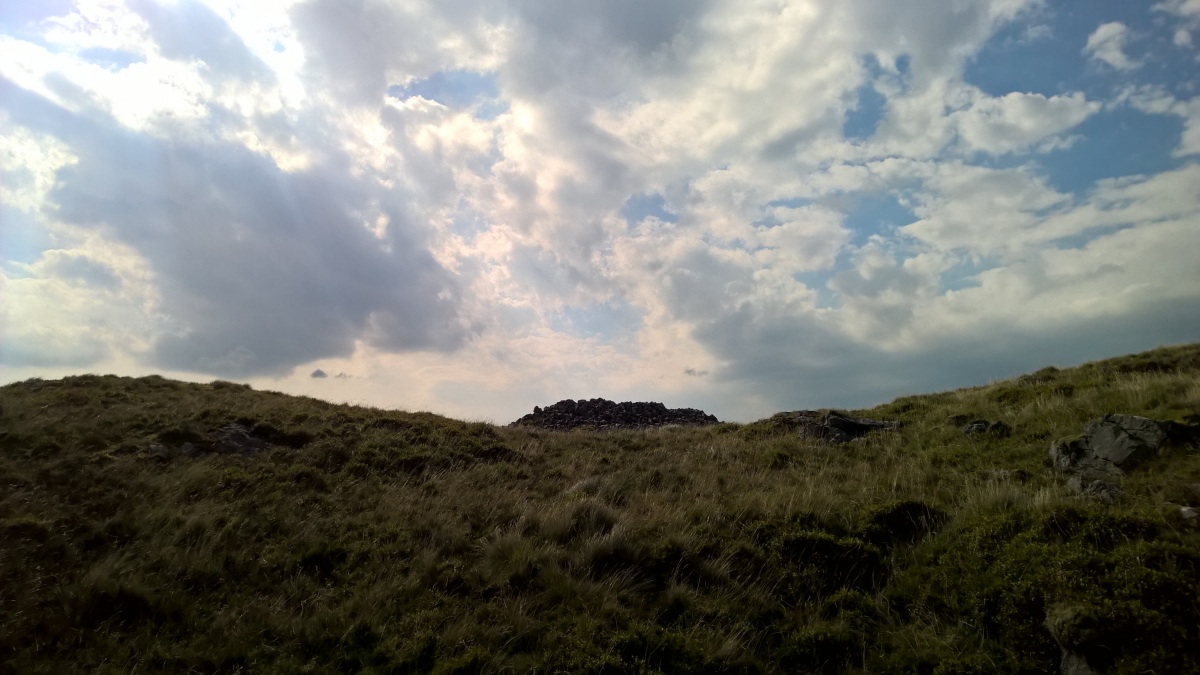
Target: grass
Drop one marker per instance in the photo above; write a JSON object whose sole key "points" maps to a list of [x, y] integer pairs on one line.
{"points": [[381, 541]]}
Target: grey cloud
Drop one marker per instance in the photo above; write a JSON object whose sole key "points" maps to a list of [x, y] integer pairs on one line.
{"points": [[357, 45], [547, 273], [265, 269], [644, 26], [190, 30], [700, 285], [318, 374], [83, 269], [77, 352], [581, 47], [796, 362]]}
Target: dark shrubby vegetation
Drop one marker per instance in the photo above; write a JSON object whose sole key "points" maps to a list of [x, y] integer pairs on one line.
{"points": [[348, 539]]}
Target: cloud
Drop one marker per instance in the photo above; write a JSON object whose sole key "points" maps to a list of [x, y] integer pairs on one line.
{"points": [[1017, 121], [730, 205], [1188, 12], [982, 211], [318, 374], [261, 269], [1107, 43], [188, 29]]}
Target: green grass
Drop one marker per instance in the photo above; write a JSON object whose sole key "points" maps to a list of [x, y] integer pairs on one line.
{"points": [[389, 542]]}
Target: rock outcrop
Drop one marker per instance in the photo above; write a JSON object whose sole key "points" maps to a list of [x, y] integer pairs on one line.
{"points": [[984, 427], [1112, 445], [232, 439], [599, 413], [834, 427], [1068, 625], [1109, 446]]}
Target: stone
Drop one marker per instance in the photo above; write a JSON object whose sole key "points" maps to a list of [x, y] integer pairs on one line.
{"points": [[834, 427], [605, 415], [1074, 664], [997, 428], [236, 439], [1094, 487], [1068, 626], [1124, 440], [1109, 446], [232, 438], [1188, 513]]}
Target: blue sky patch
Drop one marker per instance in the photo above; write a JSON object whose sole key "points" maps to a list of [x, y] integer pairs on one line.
{"points": [[639, 207], [22, 237], [864, 117], [451, 88], [1044, 54], [112, 59], [1119, 142], [876, 214], [490, 109]]}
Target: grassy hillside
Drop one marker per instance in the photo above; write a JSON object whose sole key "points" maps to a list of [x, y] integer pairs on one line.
{"points": [[378, 541]]}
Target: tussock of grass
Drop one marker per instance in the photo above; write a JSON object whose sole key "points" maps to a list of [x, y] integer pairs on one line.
{"points": [[381, 541]]}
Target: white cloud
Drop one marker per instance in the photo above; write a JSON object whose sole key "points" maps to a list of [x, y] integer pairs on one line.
{"points": [[1188, 12], [951, 114], [407, 241], [1184, 8], [805, 239], [1107, 43], [983, 211], [73, 306], [1016, 121]]}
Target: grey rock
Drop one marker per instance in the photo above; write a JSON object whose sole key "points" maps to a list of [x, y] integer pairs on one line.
{"points": [[161, 452], [1188, 513], [1074, 664], [1124, 440], [236, 439], [1109, 446], [834, 427], [602, 414], [1094, 487], [1068, 628], [997, 428]]}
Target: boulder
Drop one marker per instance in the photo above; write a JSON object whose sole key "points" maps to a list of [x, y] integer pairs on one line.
{"points": [[231, 439], [1109, 446], [837, 428], [1094, 487], [235, 439], [979, 427], [1068, 625], [1125, 440]]}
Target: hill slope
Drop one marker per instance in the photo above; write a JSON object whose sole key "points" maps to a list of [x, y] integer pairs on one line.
{"points": [[154, 525]]}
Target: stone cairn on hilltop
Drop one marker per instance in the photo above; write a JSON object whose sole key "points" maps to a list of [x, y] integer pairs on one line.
{"points": [[599, 413]]}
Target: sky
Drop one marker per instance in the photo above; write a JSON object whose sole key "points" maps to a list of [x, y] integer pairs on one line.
{"points": [[473, 207]]}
